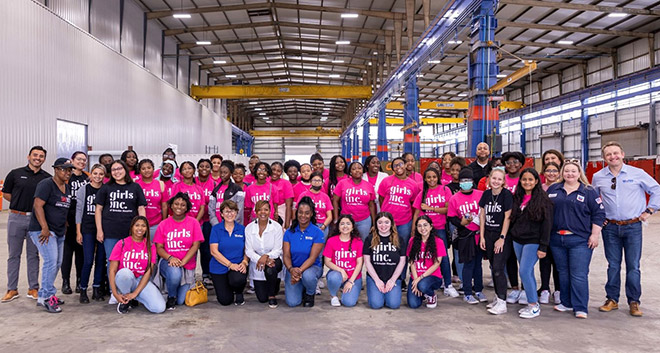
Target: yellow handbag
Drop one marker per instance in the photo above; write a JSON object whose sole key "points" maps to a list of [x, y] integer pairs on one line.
{"points": [[198, 294]]}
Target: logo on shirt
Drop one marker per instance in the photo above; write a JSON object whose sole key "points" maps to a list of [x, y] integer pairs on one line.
{"points": [[468, 207], [599, 200], [552, 195], [580, 198], [152, 193], [259, 197], [353, 196], [378, 254], [65, 201], [397, 193], [174, 241], [117, 199], [343, 257]]}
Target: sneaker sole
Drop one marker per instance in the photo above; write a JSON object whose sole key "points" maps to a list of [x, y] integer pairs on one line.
{"points": [[496, 312], [12, 298], [32, 297], [529, 317]]}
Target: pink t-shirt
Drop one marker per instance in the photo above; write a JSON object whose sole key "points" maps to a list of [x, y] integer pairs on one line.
{"points": [[249, 179], [372, 179], [354, 199], [178, 237], [134, 175], [154, 197], [338, 252], [418, 178], [207, 187], [511, 183], [525, 201], [322, 204], [220, 197], [461, 205], [133, 256], [326, 182], [398, 196], [298, 189], [268, 192], [445, 178], [425, 260], [195, 193], [285, 187], [437, 197], [168, 188]]}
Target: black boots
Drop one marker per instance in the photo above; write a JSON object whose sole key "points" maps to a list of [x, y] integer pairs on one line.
{"points": [[97, 294], [308, 300], [84, 299], [78, 290], [66, 287]]}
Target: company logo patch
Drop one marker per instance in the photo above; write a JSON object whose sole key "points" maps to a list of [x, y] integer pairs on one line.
{"points": [[552, 195], [580, 198]]}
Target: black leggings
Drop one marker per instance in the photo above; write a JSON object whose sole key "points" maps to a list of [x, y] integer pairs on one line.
{"points": [[547, 265], [204, 250], [269, 287], [228, 284], [72, 247], [497, 262], [511, 263]]}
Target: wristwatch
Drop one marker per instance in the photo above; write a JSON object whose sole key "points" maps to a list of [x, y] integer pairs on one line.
{"points": [[502, 236], [648, 210]]}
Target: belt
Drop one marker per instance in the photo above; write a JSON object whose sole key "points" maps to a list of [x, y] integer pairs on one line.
{"points": [[564, 232], [21, 213], [624, 223]]}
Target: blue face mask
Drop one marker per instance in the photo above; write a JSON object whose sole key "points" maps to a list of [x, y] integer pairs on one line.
{"points": [[465, 185]]}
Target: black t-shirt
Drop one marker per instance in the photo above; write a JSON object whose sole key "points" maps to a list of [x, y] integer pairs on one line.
{"points": [[478, 171], [495, 207], [454, 187], [75, 182], [88, 223], [21, 183], [384, 257], [56, 207], [120, 204]]}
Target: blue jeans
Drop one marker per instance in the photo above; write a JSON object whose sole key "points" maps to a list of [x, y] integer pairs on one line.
{"points": [[173, 281], [527, 258], [445, 267], [93, 254], [335, 283], [108, 245], [364, 227], [629, 239], [293, 293], [52, 254], [572, 258], [152, 232], [428, 286], [404, 235], [205, 250], [150, 296], [472, 271], [377, 300], [459, 266]]}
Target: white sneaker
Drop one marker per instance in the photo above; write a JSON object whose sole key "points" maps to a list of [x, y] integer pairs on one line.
{"points": [[250, 290], [580, 315], [490, 284], [493, 303], [470, 299], [113, 300], [522, 300], [545, 297], [523, 309], [431, 302], [451, 292], [481, 297], [335, 301], [318, 288], [531, 312], [557, 297], [499, 308], [512, 298], [321, 283], [562, 308]]}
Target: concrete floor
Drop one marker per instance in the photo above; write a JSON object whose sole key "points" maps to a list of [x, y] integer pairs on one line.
{"points": [[451, 327]]}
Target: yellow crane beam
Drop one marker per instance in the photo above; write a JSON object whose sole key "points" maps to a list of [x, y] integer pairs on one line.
{"points": [[280, 92], [450, 105], [424, 121], [318, 132], [515, 76]]}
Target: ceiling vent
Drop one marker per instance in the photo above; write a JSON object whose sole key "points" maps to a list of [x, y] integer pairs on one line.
{"points": [[259, 12]]}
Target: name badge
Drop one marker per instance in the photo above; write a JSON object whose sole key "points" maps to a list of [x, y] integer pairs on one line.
{"points": [[552, 195], [580, 198]]}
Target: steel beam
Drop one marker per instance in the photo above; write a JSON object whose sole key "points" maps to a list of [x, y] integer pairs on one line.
{"points": [[423, 121], [381, 147], [291, 92], [584, 135], [366, 143], [318, 132], [411, 119], [515, 76], [582, 7], [571, 29], [356, 146]]}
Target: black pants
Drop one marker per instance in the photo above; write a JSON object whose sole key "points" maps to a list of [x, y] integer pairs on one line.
{"points": [[71, 247], [547, 265], [269, 287], [511, 263], [497, 262], [204, 249], [228, 284]]}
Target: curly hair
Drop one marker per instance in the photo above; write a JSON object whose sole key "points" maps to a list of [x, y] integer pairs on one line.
{"points": [[305, 201], [416, 246]]}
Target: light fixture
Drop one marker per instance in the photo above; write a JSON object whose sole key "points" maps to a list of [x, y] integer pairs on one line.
{"points": [[258, 109], [370, 63], [219, 61], [254, 103], [434, 61], [262, 114], [268, 122], [617, 15], [333, 76], [326, 102], [565, 42], [349, 15], [343, 42], [325, 114], [203, 42], [462, 94], [455, 41], [375, 53], [501, 75], [326, 108], [181, 15], [230, 76], [265, 118], [337, 61]]}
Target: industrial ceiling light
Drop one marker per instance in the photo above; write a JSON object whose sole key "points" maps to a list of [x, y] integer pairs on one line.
{"points": [[181, 15], [258, 109], [565, 42], [434, 61], [617, 15], [325, 114], [455, 41], [349, 15], [343, 42], [254, 103], [262, 114], [333, 76], [219, 61], [501, 75], [203, 42], [230, 76], [337, 61]]}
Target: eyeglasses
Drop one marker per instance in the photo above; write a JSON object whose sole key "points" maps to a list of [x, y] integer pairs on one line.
{"points": [[229, 211], [262, 170], [613, 186], [398, 165], [317, 181], [512, 162], [116, 169], [552, 171]]}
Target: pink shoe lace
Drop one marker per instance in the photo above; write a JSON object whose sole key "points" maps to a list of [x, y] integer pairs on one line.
{"points": [[53, 301]]}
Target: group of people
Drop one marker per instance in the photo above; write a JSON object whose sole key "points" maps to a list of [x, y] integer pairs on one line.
{"points": [[139, 227]]}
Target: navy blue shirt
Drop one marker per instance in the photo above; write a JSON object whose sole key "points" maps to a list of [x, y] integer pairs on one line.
{"points": [[301, 244], [56, 206], [577, 211], [231, 246]]}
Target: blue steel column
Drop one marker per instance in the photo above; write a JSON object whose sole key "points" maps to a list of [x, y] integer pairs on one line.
{"points": [[411, 115], [366, 148], [248, 150], [523, 140], [349, 146], [356, 146], [584, 134], [343, 147], [483, 119], [381, 147], [239, 144]]}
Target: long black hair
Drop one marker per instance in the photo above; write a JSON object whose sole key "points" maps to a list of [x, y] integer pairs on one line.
{"points": [[368, 161], [304, 201], [426, 185], [538, 205], [124, 157], [417, 242], [333, 172], [354, 233]]}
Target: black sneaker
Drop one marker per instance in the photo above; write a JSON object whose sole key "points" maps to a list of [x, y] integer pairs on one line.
{"points": [[239, 299], [404, 287], [66, 287], [133, 303], [97, 294], [208, 283], [51, 305], [171, 303], [460, 290], [122, 308], [84, 299], [272, 303], [309, 302]]}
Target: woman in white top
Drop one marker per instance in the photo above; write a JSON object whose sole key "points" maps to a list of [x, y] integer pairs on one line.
{"points": [[263, 245], [374, 174]]}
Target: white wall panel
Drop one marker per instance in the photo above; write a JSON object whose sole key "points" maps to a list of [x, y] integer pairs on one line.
{"points": [[86, 82], [271, 149], [153, 56], [169, 63], [105, 22], [633, 57], [132, 34], [182, 83], [633, 116], [74, 11]]}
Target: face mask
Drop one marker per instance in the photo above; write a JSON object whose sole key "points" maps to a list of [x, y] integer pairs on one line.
{"points": [[316, 188], [465, 185]]}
